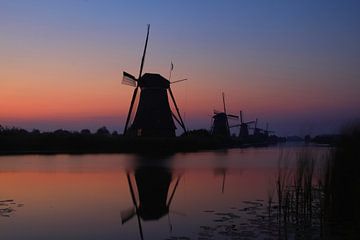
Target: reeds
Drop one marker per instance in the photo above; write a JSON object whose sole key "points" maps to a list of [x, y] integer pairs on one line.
{"points": [[297, 194]]}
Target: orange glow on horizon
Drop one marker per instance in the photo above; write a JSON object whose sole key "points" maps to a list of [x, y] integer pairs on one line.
{"points": [[84, 87]]}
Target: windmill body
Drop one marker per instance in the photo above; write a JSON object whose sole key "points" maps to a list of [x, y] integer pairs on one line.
{"points": [[220, 125], [244, 131], [153, 117], [154, 195], [153, 186], [244, 127]]}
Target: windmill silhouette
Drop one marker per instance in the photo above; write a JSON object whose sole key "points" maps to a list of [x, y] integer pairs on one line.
{"points": [[153, 185], [267, 131], [153, 117], [220, 121], [244, 127], [257, 131]]}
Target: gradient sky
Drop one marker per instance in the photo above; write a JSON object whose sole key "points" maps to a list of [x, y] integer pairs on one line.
{"points": [[294, 64]]}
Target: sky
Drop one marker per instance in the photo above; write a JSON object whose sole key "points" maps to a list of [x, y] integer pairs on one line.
{"points": [[293, 64]]}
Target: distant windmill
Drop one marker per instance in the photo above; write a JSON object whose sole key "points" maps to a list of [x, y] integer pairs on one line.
{"points": [[267, 131], [220, 124], [257, 131], [153, 117], [244, 127], [153, 185]]}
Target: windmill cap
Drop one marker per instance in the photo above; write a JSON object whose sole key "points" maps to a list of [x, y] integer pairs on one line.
{"points": [[153, 80], [220, 115]]}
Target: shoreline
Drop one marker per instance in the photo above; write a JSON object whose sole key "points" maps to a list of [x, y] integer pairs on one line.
{"points": [[116, 145]]}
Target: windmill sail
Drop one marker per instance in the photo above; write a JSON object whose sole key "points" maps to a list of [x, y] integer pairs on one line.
{"points": [[128, 79]]}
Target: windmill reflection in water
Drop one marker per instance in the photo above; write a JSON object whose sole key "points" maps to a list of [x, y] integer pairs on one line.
{"points": [[153, 186]]}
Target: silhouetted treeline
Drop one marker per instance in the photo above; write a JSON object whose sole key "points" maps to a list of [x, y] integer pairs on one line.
{"points": [[18, 141], [331, 139]]}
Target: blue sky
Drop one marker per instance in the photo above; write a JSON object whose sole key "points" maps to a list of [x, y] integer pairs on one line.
{"points": [[294, 64]]}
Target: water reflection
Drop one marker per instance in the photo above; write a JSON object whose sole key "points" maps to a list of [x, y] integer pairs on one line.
{"points": [[208, 189], [221, 170], [151, 194]]}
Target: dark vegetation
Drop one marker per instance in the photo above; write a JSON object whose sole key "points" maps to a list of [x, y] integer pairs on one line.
{"points": [[322, 202], [331, 139], [342, 185], [20, 141]]}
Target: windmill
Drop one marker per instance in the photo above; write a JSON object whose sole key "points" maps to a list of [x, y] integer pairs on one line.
{"points": [[220, 123], [257, 131], [153, 117], [267, 131], [153, 185], [244, 127]]}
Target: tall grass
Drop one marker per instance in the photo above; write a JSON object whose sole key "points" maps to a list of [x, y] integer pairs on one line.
{"points": [[296, 193], [321, 193]]}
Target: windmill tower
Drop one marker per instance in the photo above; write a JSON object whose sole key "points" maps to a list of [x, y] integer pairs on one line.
{"points": [[220, 124], [153, 117]]}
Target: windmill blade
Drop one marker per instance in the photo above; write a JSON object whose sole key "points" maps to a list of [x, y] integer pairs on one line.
{"points": [[176, 119], [131, 191], [223, 97], [236, 125], [130, 109], [137, 87], [232, 116], [128, 79], [144, 53], [223, 182], [135, 205], [127, 214], [177, 111], [181, 80], [241, 116], [173, 192]]}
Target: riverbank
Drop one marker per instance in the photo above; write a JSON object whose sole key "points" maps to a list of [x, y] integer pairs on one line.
{"points": [[18, 141], [112, 144]]}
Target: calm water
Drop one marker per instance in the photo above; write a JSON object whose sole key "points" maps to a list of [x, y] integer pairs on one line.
{"points": [[89, 196]]}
